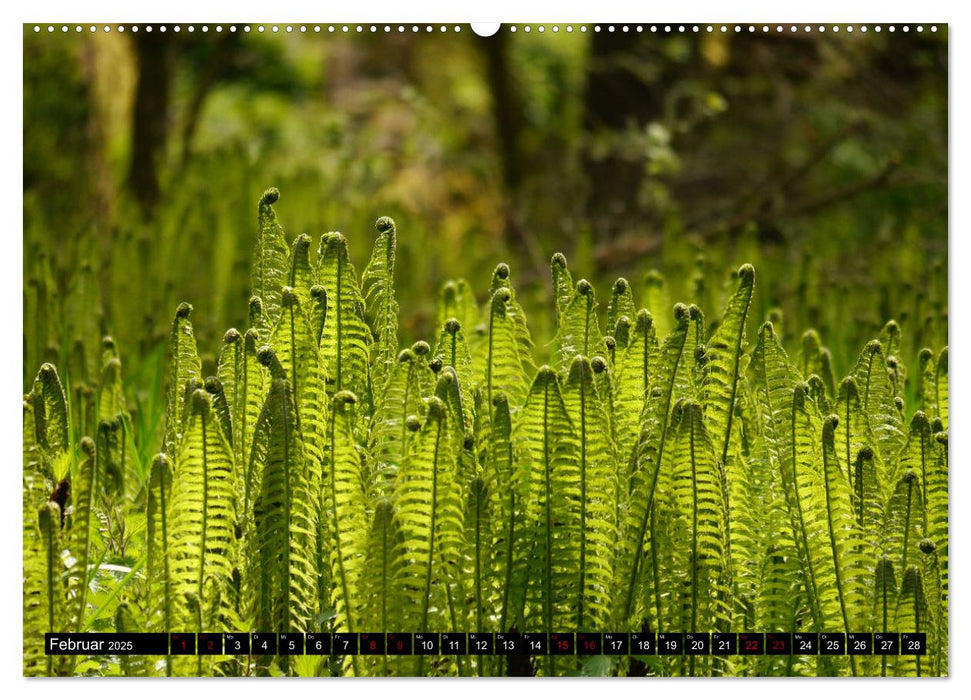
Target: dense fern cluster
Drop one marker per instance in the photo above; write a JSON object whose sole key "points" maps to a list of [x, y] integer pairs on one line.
{"points": [[324, 478]]}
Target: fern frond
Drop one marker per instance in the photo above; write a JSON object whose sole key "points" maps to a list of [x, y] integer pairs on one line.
{"points": [[380, 305], [86, 490], [184, 367], [621, 303], [346, 338], [159, 582], [579, 332], [410, 380], [633, 368], [598, 495], [724, 353], [453, 351], [51, 420], [345, 509], [506, 367], [877, 394], [202, 517], [647, 459], [270, 262], [942, 385], [44, 607], [911, 616]]}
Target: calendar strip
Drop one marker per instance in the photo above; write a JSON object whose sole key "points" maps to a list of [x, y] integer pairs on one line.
{"points": [[490, 644]]}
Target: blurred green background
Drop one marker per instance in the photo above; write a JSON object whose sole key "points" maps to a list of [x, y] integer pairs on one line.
{"points": [[819, 157]]}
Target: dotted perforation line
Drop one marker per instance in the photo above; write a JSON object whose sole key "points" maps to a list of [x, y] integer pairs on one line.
{"points": [[513, 28]]}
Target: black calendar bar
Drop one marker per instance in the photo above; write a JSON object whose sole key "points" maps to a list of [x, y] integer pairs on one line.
{"points": [[488, 643], [92, 643]]}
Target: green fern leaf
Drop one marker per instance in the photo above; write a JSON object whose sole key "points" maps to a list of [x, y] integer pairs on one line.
{"points": [[877, 394], [184, 367], [345, 508], [380, 305], [270, 264], [942, 384], [724, 354], [598, 494], [346, 338], [579, 330], [621, 302], [201, 547]]}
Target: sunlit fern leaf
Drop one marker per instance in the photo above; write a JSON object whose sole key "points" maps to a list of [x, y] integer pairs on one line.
{"points": [[111, 395], [912, 616], [579, 332], [632, 372], [159, 580], [868, 494], [505, 368], [481, 510], [44, 608], [820, 396], [345, 508], [184, 367], [380, 305], [916, 454], [501, 280], [853, 561], [453, 351], [927, 382], [447, 389], [285, 511], [221, 412], [854, 433], [890, 341], [346, 338], [429, 507], [251, 383], [648, 456], [256, 317], [789, 436], [84, 500], [456, 300], [509, 485], [202, 517], [743, 495], [904, 522], [229, 369], [318, 312], [657, 301], [942, 384], [884, 605], [809, 513], [936, 608], [301, 275], [380, 594], [877, 395], [598, 494], [553, 505], [410, 380], [936, 481], [51, 421], [723, 354], [562, 282], [621, 302], [270, 261], [297, 352], [690, 535]]}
